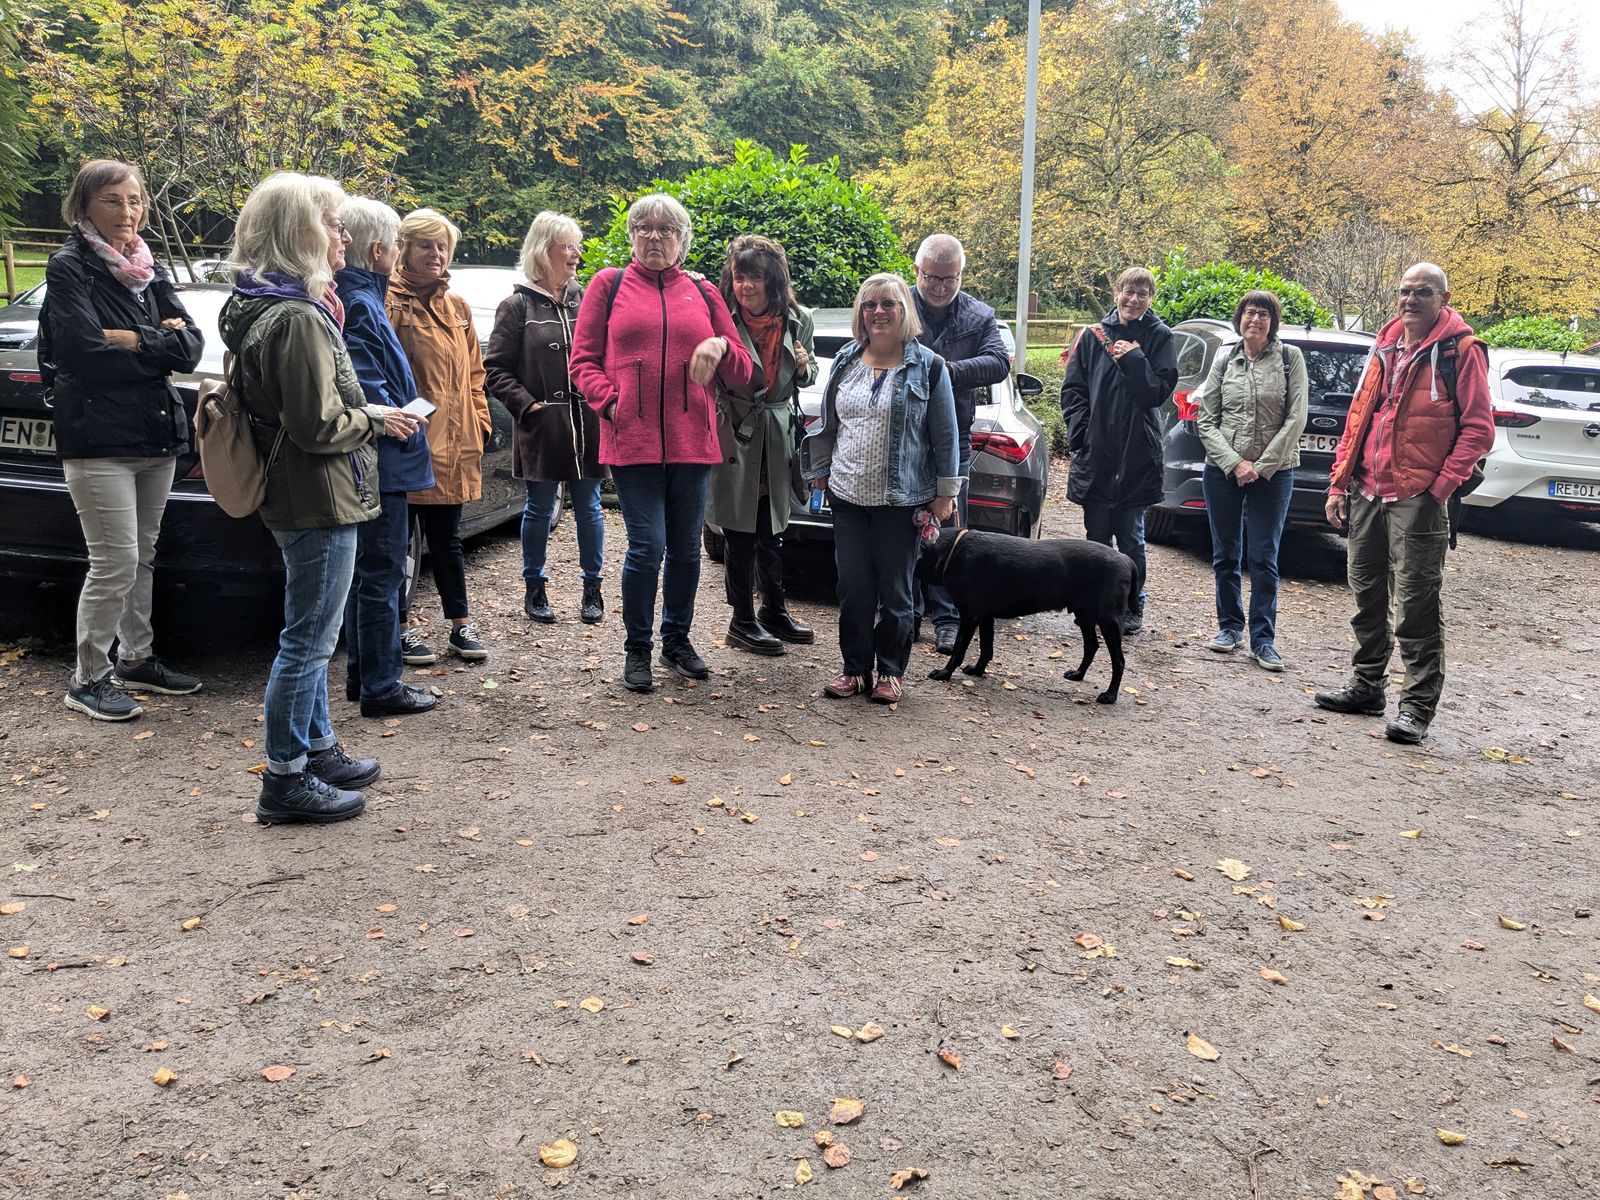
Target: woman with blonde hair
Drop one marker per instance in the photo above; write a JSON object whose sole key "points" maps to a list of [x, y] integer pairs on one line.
{"points": [[315, 430], [435, 329], [885, 447], [557, 435]]}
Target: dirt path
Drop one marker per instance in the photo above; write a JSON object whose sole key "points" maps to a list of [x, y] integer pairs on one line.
{"points": [[1002, 873]]}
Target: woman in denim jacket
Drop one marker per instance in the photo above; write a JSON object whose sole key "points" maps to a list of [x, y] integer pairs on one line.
{"points": [[884, 447]]}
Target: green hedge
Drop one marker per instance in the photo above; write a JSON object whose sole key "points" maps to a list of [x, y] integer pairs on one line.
{"points": [[1214, 290], [1534, 333]]}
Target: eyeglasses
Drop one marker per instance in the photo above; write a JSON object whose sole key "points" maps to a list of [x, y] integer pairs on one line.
{"points": [[658, 233], [1139, 294], [335, 226], [1420, 293], [941, 280], [875, 305], [135, 202]]}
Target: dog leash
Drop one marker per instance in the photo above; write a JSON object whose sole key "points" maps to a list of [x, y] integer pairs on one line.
{"points": [[951, 553]]}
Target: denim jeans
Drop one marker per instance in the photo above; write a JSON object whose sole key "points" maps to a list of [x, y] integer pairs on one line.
{"points": [[875, 548], [662, 507], [540, 507], [931, 598], [372, 613], [1247, 522], [319, 564], [119, 503], [1102, 522]]}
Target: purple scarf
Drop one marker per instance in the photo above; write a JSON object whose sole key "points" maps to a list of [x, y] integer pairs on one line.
{"points": [[270, 283], [134, 270]]}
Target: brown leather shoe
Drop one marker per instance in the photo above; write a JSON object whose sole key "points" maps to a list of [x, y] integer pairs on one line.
{"points": [[842, 687], [888, 690]]}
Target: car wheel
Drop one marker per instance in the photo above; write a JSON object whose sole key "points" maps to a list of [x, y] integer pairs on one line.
{"points": [[716, 545], [1159, 525], [408, 586]]}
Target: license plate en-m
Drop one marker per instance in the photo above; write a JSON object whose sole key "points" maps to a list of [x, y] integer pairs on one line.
{"points": [[1575, 489], [36, 435]]}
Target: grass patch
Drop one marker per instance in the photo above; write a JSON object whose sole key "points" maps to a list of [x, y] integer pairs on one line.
{"points": [[27, 277]]}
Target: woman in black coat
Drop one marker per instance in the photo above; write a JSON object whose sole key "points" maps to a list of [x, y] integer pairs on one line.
{"points": [[1119, 374], [111, 332]]}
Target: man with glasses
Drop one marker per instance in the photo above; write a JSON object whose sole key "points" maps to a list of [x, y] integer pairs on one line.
{"points": [[962, 330], [1410, 440]]}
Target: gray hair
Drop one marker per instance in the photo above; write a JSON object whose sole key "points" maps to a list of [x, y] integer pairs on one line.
{"points": [[1436, 273], [658, 206], [941, 247], [547, 227], [874, 285], [369, 223], [280, 229]]}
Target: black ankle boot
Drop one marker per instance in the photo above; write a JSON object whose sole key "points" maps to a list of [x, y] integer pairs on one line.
{"points": [[536, 605], [747, 634], [594, 605], [776, 620]]}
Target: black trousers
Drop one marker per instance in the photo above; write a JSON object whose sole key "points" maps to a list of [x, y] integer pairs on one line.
{"points": [[441, 529], [754, 561]]}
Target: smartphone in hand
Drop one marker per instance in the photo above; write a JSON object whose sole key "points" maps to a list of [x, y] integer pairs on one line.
{"points": [[420, 408]]}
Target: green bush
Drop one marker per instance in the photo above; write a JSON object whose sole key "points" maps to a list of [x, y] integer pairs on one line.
{"points": [[1214, 290], [833, 229], [1534, 333], [1045, 363]]}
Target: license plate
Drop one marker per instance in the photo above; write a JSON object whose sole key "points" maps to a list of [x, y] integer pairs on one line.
{"points": [[1573, 489], [36, 435], [1322, 443]]}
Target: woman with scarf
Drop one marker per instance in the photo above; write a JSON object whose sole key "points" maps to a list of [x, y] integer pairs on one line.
{"points": [[111, 332], [434, 325], [759, 426], [314, 428]]}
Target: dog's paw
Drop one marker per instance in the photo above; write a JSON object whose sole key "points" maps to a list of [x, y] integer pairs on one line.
{"points": [[1106, 698], [1075, 674], [939, 673], [973, 670]]}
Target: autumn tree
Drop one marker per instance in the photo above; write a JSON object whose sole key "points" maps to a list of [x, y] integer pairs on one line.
{"points": [[1353, 268], [16, 132]]}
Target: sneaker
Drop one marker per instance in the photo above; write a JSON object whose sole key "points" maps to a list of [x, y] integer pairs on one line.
{"points": [[842, 687], [337, 769], [155, 675], [464, 641], [944, 639], [1407, 728], [404, 701], [636, 673], [536, 604], [594, 605], [887, 690], [302, 797], [1349, 699], [1226, 642], [415, 652], [1267, 657], [103, 700], [681, 657], [1132, 622]]}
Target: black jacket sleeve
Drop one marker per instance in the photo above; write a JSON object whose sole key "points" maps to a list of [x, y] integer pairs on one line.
{"points": [[74, 341], [164, 351]]}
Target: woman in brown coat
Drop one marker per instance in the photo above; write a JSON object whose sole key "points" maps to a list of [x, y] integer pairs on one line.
{"points": [[435, 330], [557, 434]]}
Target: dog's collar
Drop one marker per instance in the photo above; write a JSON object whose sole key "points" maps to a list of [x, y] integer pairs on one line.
{"points": [[949, 554]]}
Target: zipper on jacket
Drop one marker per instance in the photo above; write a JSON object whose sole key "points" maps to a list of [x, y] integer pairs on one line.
{"points": [[662, 408]]}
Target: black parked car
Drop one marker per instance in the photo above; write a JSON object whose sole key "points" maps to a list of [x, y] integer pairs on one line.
{"points": [[1334, 361], [202, 549]]}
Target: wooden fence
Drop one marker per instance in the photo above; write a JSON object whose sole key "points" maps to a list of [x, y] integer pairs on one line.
{"points": [[32, 247]]}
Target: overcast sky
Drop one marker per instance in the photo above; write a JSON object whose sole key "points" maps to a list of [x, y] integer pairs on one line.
{"points": [[1438, 25]]}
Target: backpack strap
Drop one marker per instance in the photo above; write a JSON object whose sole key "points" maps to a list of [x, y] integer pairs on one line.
{"points": [[1450, 352]]}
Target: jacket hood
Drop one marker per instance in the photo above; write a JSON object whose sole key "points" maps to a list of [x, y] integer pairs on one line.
{"points": [[569, 296], [238, 314], [1112, 320], [1449, 324], [351, 280]]}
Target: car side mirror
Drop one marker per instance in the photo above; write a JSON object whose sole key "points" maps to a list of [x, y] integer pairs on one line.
{"points": [[1029, 386]]}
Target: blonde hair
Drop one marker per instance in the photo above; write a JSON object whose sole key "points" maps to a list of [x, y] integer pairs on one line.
{"points": [[369, 223], [542, 234], [658, 206], [429, 223], [910, 326], [280, 229]]}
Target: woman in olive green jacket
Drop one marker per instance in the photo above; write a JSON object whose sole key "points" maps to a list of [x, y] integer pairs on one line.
{"points": [[1252, 413], [759, 426]]}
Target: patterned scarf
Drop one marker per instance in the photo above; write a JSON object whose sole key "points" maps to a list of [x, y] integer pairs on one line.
{"points": [[134, 270], [766, 331]]}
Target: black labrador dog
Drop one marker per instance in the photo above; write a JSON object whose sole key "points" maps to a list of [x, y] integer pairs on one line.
{"points": [[990, 575]]}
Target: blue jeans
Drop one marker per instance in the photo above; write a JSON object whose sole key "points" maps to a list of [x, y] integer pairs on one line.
{"points": [[662, 507], [540, 507], [1247, 521], [931, 598], [372, 613], [875, 548], [1102, 522], [319, 564]]}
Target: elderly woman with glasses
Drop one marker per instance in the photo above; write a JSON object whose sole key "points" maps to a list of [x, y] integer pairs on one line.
{"points": [[885, 447], [111, 332], [651, 344], [314, 427]]}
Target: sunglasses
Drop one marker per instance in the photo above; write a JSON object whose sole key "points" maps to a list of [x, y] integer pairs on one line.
{"points": [[875, 305]]}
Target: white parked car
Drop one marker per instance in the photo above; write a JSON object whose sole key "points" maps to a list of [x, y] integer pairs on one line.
{"points": [[1545, 460]]}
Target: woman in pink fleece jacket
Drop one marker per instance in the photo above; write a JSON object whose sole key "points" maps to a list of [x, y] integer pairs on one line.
{"points": [[648, 348]]}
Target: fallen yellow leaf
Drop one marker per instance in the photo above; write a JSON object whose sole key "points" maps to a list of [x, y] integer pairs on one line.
{"points": [[1450, 1137], [145, 736], [823, 1137], [97, 1012], [786, 779], [870, 1032], [17, 952], [1201, 1049], [1007, 1032], [1272, 976], [190, 925], [591, 1004], [900, 1178], [845, 1110], [1413, 834], [1288, 926], [1188, 963], [950, 1059], [562, 1152], [1592, 1003], [802, 1171], [788, 1118], [11, 908], [1508, 923], [163, 1076], [843, 1031], [1233, 868]]}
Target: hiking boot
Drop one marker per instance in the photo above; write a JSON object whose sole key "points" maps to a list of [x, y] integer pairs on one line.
{"points": [[1133, 622], [887, 690], [681, 657], [337, 769], [1360, 701], [1226, 641], [750, 635], [536, 604], [842, 687], [415, 652], [103, 700], [1267, 657], [302, 797], [154, 675], [464, 641], [1407, 728], [777, 620], [404, 701], [944, 638], [636, 673], [594, 605]]}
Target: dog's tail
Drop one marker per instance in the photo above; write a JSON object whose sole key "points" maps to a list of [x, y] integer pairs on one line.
{"points": [[1133, 585]]}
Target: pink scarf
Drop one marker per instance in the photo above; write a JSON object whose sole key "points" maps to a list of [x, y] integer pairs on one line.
{"points": [[134, 271]]}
